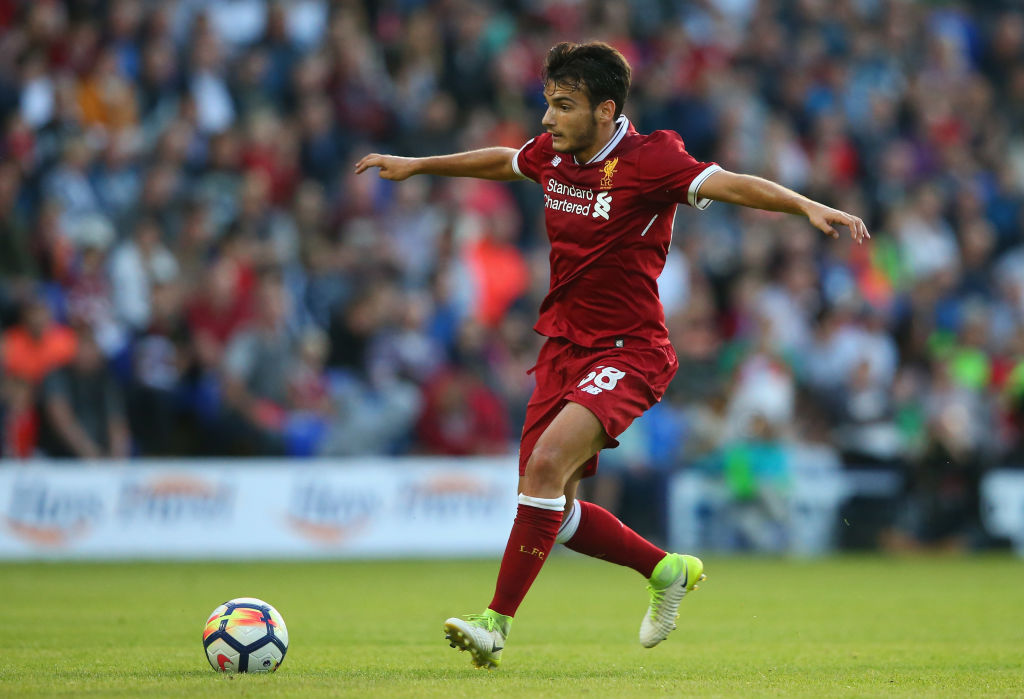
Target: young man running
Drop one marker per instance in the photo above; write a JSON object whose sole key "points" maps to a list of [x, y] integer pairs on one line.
{"points": [[610, 196]]}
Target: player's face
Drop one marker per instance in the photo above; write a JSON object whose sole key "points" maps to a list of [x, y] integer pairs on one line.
{"points": [[570, 119]]}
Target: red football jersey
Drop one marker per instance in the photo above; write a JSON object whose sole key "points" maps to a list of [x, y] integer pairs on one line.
{"points": [[610, 225]]}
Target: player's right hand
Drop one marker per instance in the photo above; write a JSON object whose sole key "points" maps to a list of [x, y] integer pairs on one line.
{"points": [[824, 218], [392, 167]]}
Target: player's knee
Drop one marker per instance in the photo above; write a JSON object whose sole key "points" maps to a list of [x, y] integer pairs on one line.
{"points": [[546, 468]]}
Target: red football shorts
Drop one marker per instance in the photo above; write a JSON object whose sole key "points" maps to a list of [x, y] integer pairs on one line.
{"points": [[617, 384]]}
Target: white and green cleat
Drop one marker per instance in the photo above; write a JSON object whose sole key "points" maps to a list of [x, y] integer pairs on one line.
{"points": [[674, 576], [483, 635]]}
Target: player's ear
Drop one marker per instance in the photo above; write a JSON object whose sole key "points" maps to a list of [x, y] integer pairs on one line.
{"points": [[606, 111]]}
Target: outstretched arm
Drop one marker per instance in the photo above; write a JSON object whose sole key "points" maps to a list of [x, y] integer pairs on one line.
{"points": [[486, 164], [758, 193]]}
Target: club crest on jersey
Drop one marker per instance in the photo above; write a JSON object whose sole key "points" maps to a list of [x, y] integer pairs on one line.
{"points": [[609, 172], [556, 160]]}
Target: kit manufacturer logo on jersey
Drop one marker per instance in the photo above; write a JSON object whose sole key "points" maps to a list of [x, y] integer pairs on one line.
{"points": [[556, 160], [602, 205], [609, 172]]}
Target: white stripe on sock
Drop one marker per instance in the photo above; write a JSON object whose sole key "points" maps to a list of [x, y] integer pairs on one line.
{"points": [[569, 525], [543, 503]]}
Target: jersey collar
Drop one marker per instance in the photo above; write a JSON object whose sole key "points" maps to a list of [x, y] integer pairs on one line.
{"points": [[620, 131]]}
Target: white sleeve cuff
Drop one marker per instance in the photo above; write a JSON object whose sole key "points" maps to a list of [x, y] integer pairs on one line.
{"points": [[515, 161], [691, 195]]}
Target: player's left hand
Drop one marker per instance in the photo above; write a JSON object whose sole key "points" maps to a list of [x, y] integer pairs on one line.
{"points": [[824, 218]]}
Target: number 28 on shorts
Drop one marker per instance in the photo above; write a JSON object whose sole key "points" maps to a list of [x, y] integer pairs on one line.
{"points": [[601, 379]]}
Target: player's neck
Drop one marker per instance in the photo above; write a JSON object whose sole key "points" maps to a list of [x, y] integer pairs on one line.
{"points": [[605, 134]]}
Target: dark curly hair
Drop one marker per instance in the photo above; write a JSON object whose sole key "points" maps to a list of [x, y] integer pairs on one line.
{"points": [[595, 68]]}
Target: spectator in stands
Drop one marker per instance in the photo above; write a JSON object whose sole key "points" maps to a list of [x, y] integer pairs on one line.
{"points": [[208, 88], [865, 416], [90, 296], [308, 384], [83, 408], [222, 304], [256, 367], [134, 266], [68, 184], [38, 345], [18, 266], [162, 378], [106, 98], [461, 416], [117, 177]]}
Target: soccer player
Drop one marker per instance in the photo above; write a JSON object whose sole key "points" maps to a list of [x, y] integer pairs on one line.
{"points": [[610, 196]]}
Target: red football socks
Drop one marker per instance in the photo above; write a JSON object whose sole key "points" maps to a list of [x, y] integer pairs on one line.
{"points": [[533, 535], [600, 534]]}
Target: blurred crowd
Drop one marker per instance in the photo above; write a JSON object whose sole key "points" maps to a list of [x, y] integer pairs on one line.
{"points": [[190, 267]]}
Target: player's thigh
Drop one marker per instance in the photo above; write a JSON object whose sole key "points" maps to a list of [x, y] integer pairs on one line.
{"points": [[541, 411]]}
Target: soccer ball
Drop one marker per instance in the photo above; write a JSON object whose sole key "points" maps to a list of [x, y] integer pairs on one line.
{"points": [[245, 635]]}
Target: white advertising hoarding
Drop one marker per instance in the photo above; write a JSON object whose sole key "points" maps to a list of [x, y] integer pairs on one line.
{"points": [[249, 509], [1002, 505]]}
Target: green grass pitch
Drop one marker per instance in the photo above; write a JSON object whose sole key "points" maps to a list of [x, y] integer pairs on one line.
{"points": [[757, 627]]}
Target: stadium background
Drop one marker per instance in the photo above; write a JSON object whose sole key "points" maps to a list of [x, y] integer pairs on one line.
{"points": [[190, 270]]}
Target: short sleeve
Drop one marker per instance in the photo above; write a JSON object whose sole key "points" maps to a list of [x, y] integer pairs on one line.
{"points": [[670, 174], [527, 160]]}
